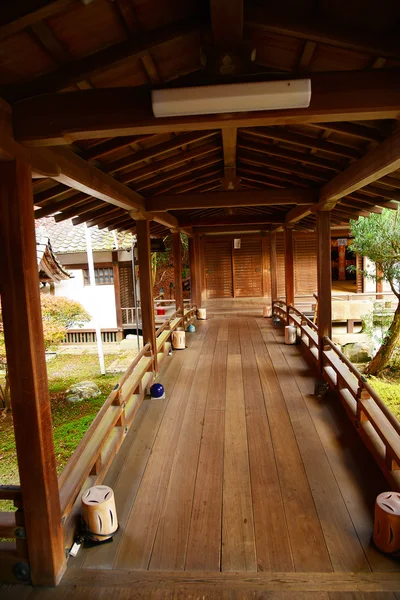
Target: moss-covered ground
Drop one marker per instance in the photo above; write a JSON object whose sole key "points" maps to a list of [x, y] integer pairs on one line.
{"points": [[70, 420]]}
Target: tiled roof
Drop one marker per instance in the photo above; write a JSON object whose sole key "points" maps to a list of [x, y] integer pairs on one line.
{"points": [[48, 265], [67, 238]]}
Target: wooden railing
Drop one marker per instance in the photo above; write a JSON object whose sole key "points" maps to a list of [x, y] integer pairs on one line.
{"points": [[88, 336], [375, 423], [92, 458], [13, 549]]}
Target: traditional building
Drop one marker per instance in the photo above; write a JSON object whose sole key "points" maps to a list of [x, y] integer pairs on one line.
{"points": [[240, 482]]}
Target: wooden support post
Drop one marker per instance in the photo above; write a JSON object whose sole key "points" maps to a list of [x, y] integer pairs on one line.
{"points": [[197, 270], [202, 266], [146, 286], [117, 294], [264, 265], [324, 280], [192, 266], [289, 266], [274, 269], [177, 252], [31, 410]]}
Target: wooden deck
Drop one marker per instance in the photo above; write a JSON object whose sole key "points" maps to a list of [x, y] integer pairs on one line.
{"points": [[241, 484]]}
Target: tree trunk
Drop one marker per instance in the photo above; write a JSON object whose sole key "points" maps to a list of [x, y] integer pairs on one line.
{"points": [[385, 352]]}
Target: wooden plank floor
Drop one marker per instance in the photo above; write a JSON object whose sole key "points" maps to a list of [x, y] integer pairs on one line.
{"points": [[240, 484]]}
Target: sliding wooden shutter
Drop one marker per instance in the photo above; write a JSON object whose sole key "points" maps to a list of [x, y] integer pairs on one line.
{"points": [[305, 265], [280, 265], [247, 269], [218, 264]]}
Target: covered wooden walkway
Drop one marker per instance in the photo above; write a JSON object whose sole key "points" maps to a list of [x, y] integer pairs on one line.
{"points": [[240, 469]]}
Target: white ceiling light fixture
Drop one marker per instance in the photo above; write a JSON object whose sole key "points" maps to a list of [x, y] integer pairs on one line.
{"points": [[232, 98]]}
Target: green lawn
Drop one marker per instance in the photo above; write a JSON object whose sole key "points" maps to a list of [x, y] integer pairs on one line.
{"points": [[70, 420], [389, 390]]}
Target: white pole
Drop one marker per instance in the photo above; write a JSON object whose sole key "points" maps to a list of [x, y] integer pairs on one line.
{"points": [[92, 281]]}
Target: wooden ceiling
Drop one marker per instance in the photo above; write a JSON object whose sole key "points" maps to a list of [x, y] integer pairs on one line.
{"points": [[78, 74]]}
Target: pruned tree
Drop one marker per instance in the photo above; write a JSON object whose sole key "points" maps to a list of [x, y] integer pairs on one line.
{"points": [[378, 238]]}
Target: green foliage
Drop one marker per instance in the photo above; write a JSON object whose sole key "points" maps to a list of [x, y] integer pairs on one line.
{"points": [[64, 311], [70, 420], [389, 392], [59, 314], [378, 238]]}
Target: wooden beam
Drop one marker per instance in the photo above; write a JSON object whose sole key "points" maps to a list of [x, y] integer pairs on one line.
{"points": [[104, 148], [298, 213], [305, 141], [377, 163], [186, 156], [177, 255], [202, 183], [176, 178], [54, 207], [49, 194], [281, 166], [100, 216], [191, 181], [291, 155], [324, 278], [322, 32], [31, 410], [177, 173], [19, 14], [360, 132], [229, 144], [158, 149], [80, 209], [223, 199], [76, 173], [230, 228], [306, 56], [227, 23], [274, 267], [146, 286], [257, 219], [256, 173], [134, 47], [62, 118], [289, 266]]}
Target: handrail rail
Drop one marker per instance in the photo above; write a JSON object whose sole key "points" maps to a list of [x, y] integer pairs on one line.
{"points": [[101, 430], [303, 317], [10, 492], [364, 384], [375, 423], [167, 323]]}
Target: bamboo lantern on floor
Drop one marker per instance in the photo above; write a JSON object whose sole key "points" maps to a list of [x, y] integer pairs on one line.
{"points": [[290, 334], [387, 522], [267, 311], [98, 512], [178, 339]]}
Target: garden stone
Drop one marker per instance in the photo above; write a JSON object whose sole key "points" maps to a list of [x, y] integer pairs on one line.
{"points": [[360, 352], [84, 390]]}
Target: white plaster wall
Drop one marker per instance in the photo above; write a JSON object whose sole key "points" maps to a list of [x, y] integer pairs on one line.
{"points": [[369, 284], [81, 257], [98, 301]]}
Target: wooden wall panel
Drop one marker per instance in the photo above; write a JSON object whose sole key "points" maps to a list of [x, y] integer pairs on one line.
{"points": [[126, 288], [305, 264], [247, 265], [218, 268], [280, 265]]}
